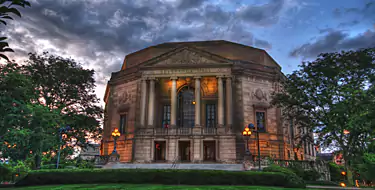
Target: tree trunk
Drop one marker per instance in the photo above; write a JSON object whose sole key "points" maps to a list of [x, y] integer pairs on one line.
{"points": [[349, 173], [38, 161]]}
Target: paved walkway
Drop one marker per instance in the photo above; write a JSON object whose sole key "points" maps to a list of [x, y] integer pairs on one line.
{"points": [[331, 187]]}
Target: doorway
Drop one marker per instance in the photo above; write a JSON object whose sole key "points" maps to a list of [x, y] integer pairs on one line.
{"points": [[184, 150], [209, 151], [159, 151]]}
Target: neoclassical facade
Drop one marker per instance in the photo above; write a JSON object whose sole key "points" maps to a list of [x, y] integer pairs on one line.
{"points": [[190, 101]]}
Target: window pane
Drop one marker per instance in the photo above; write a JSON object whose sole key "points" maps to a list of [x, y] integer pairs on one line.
{"points": [[260, 117], [123, 123], [166, 115]]}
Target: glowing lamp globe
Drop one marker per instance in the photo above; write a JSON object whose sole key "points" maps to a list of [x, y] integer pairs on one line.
{"points": [[116, 133]]}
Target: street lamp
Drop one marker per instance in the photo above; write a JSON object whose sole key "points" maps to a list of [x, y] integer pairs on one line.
{"points": [[247, 132], [61, 130], [115, 134]]}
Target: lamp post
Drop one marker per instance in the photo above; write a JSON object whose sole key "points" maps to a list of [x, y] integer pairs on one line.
{"points": [[247, 133], [247, 130], [115, 134], [61, 130]]}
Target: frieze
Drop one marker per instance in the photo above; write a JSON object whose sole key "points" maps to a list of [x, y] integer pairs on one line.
{"points": [[187, 57], [186, 71]]}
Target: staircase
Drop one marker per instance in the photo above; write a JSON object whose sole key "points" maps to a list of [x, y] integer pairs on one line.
{"points": [[176, 165]]}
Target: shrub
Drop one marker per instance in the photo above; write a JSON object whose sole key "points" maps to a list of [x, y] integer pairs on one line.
{"points": [[335, 172], [152, 176], [5, 173], [322, 183], [292, 176]]}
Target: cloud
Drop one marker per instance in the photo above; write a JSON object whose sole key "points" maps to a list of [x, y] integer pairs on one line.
{"points": [[335, 41], [265, 14], [99, 33]]}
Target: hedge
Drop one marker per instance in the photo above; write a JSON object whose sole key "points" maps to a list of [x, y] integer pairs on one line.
{"points": [[153, 176], [290, 173]]}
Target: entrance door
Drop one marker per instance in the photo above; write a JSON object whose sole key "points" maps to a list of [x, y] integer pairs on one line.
{"points": [[184, 150], [209, 151], [160, 151]]}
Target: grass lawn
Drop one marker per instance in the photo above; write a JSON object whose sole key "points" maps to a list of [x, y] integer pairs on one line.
{"points": [[145, 187]]}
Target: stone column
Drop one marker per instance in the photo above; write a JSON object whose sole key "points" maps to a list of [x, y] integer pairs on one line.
{"points": [[197, 101], [174, 102], [229, 101], [143, 101], [220, 109], [151, 103]]}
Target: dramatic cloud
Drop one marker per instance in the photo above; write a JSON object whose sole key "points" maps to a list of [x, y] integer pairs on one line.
{"points": [[99, 33], [335, 41]]}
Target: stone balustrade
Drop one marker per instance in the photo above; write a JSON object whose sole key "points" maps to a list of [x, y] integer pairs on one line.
{"points": [[177, 131]]}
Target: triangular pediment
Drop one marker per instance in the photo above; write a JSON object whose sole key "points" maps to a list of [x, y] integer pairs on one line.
{"points": [[184, 56]]}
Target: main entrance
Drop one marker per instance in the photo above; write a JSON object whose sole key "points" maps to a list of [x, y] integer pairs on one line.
{"points": [[184, 150], [186, 107], [209, 151], [160, 151]]}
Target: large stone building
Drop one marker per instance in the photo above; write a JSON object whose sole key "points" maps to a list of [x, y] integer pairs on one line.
{"points": [[190, 101]]}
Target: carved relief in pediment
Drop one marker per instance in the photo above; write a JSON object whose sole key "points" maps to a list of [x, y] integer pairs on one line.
{"points": [[186, 57], [260, 95], [124, 97]]}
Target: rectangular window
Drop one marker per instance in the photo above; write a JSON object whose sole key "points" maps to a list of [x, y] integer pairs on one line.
{"points": [[291, 130], [123, 123], [305, 146], [261, 121], [288, 154], [309, 148], [210, 115], [166, 116]]}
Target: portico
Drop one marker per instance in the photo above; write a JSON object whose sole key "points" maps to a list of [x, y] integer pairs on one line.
{"points": [[193, 117]]}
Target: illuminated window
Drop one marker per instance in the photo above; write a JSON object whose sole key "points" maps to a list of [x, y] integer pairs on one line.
{"points": [[123, 123], [261, 121], [166, 116], [210, 115]]}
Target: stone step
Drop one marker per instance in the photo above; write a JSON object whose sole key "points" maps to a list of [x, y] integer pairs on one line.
{"points": [[227, 167]]}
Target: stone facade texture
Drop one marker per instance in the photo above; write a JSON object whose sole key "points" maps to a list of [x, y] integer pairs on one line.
{"points": [[254, 77]]}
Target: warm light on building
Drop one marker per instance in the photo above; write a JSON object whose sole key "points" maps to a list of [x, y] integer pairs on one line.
{"points": [[346, 132], [342, 184]]}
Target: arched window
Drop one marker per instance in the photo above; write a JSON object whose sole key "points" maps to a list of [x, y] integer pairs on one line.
{"points": [[186, 107]]}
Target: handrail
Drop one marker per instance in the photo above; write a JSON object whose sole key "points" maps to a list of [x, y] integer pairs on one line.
{"points": [[175, 162]]}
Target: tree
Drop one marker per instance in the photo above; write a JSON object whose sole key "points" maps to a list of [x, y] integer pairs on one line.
{"points": [[334, 97], [6, 9], [68, 89], [16, 92]]}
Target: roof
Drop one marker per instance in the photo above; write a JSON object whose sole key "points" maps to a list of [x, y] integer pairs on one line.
{"points": [[226, 49]]}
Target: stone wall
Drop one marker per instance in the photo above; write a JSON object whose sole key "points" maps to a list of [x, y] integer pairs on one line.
{"points": [[256, 96], [122, 100]]}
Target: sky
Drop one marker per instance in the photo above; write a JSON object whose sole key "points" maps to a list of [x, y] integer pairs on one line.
{"points": [[99, 33]]}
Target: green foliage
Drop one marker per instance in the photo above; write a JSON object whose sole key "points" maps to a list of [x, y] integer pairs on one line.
{"points": [[323, 183], [168, 177], [5, 172], [68, 89], [336, 92], [335, 172], [6, 11], [292, 175], [366, 169], [38, 99], [307, 175]]}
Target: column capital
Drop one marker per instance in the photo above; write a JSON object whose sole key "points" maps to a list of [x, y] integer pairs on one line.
{"points": [[151, 78], [229, 77], [143, 78], [220, 76], [174, 78], [197, 77]]}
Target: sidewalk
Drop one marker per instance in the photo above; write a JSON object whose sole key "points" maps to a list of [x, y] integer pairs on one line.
{"points": [[331, 187]]}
